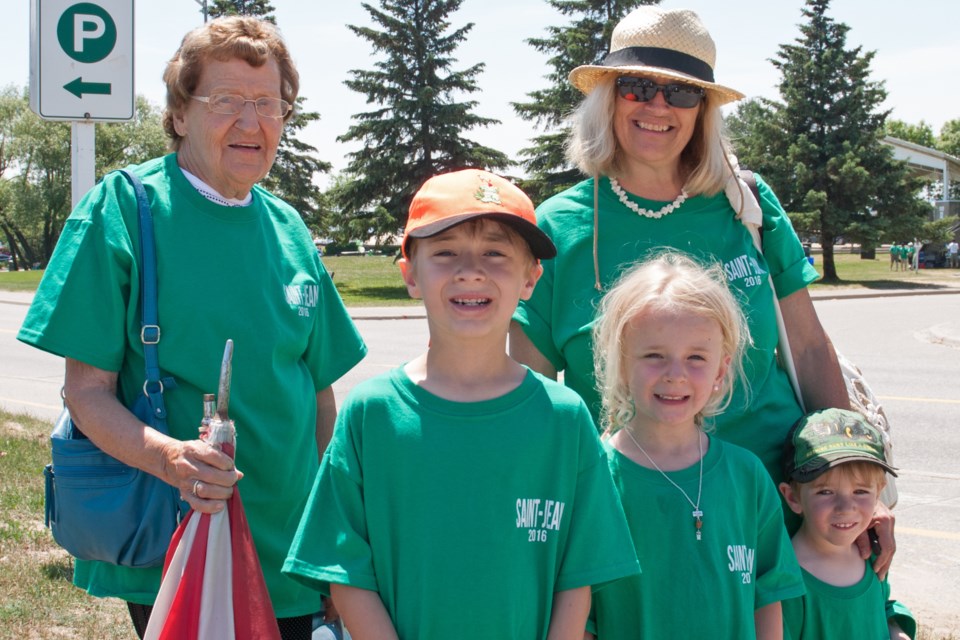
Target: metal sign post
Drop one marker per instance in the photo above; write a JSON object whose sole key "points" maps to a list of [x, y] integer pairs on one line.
{"points": [[81, 70]]}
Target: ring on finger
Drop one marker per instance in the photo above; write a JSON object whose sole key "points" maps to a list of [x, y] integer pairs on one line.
{"points": [[196, 487]]}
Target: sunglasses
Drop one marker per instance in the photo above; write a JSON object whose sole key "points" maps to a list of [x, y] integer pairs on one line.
{"points": [[683, 96]]}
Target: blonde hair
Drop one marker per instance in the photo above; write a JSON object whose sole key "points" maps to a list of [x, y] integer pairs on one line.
{"points": [[252, 40], [675, 283], [592, 145], [858, 470]]}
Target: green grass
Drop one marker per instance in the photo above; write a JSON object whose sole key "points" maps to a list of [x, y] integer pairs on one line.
{"points": [[368, 280], [20, 280], [375, 280], [37, 598], [361, 280], [876, 274]]}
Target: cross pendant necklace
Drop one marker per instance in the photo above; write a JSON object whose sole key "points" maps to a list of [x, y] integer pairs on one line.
{"points": [[696, 513]]}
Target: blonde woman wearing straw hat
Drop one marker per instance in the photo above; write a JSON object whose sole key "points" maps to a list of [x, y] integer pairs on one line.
{"points": [[649, 134]]}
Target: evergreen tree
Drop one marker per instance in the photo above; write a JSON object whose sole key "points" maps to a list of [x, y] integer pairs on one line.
{"points": [[261, 8], [293, 171], [291, 177], [822, 145], [585, 40], [417, 129]]}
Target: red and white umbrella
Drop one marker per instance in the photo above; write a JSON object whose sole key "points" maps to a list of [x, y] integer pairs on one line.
{"points": [[213, 587]]}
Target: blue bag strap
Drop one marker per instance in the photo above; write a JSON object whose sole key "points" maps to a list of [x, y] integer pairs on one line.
{"points": [[149, 323]]}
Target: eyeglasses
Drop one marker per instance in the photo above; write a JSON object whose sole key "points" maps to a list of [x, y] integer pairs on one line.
{"points": [[683, 96], [231, 105]]}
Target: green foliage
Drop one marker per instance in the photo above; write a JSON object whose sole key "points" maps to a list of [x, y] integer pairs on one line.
{"points": [[35, 167], [261, 8], [125, 143], [942, 230], [921, 133], [295, 166], [417, 127], [821, 146], [949, 139], [584, 40]]}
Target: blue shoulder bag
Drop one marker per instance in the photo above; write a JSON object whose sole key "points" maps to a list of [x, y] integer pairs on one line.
{"points": [[97, 507]]}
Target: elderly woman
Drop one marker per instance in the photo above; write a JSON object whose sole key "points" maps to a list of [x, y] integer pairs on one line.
{"points": [[234, 262], [649, 133]]}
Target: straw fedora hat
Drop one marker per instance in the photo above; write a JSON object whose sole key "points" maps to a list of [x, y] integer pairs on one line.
{"points": [[668, 43]]}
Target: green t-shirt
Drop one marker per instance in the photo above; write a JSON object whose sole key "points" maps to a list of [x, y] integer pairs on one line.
{"points": [[247, 273], [691, 588], [859, 611], [465, 517], [559, 316]]}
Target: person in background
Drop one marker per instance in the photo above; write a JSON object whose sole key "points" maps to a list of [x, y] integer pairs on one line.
{"points": [[835, 468], [234, 261]]}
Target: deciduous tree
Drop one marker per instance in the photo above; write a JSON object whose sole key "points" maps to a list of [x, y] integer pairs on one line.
{"points": [[35, 196], [921, 133]]}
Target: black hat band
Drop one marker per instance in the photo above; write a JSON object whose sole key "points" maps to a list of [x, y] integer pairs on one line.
{"points": [[658, 57]]}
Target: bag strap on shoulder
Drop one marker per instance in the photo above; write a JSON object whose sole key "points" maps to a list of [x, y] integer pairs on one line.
{"points": [[750, 179], [149, 322]]}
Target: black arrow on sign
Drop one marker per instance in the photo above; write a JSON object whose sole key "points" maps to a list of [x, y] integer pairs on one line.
{"points": [[78, 87]]}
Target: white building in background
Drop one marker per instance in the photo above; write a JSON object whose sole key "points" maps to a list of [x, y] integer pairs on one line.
{"points": [[932, 164]]}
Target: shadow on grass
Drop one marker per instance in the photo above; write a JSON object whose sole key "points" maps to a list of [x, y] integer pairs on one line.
{"points": [[887, 284], [58, 570]]}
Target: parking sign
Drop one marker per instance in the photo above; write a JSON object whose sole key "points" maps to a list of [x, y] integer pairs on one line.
{"points": [[81, 59]]}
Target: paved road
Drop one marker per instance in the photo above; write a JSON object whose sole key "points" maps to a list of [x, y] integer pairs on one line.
{"points": [[908, 346]]}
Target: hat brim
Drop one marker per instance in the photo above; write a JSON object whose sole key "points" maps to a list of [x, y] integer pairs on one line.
{"points": [[586, 77], [802, 474], [541, 246]]}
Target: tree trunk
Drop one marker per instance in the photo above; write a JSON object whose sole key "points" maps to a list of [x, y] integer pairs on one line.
{"points": [[829, 268]]}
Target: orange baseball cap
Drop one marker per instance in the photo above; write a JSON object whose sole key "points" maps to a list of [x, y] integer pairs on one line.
{"points": [[448, 199]]}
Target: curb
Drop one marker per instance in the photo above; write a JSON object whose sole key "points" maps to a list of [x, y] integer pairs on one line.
{"points": [[881, 293]]}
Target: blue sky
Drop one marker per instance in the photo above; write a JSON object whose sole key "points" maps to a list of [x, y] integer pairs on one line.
{"points": [[918, 53]]}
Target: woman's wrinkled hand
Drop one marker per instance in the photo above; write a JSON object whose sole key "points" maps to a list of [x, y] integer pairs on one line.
{"points": [[204, 475], [882, 527]]}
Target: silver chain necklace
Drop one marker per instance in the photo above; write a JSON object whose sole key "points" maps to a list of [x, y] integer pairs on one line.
{"points": [[646, 213], [697, 513]]}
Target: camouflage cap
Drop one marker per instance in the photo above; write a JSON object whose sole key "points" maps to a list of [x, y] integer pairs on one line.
{"points": [[824, 439]]}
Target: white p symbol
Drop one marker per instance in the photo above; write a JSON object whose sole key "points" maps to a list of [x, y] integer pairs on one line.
{"points": [[86, 27]]}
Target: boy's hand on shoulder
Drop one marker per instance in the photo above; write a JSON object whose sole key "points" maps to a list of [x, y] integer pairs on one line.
{"points": [[883, 524]]}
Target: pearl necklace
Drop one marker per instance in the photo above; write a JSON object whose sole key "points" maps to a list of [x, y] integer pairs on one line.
{"points": [[697, 513], [646, 213]]}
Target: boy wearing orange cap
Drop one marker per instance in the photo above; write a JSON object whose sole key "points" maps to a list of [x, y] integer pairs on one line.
{"points": [[464, 496], [835, 467]]}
